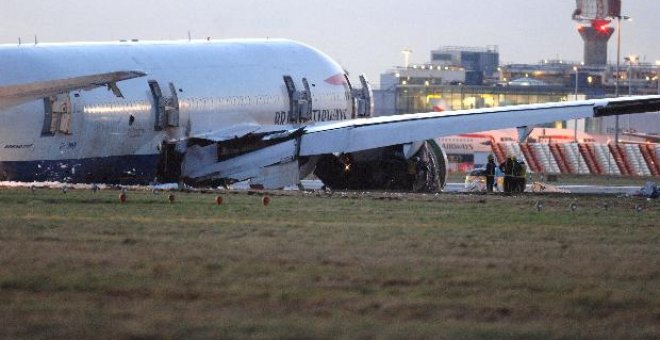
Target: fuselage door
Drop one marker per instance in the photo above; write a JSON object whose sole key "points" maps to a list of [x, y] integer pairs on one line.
{"points": [[57, 115], [300, 101], [166, 108]]}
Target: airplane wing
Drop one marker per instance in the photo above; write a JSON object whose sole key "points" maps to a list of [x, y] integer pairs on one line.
{"points": [[370, 133], [274, 164], [12, 95]]}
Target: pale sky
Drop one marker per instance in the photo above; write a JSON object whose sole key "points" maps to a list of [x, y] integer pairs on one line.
{"points": [[363, 35]]}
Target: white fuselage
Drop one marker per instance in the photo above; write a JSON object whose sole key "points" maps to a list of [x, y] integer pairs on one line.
{"points": [[232, 86]]}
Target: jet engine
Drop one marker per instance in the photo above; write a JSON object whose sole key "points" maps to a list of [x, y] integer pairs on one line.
{"points": [[418, 168]]}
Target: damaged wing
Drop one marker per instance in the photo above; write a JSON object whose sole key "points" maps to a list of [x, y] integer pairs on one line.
{"points": [[271, 161], [12, 95], [228, 133], [370, 133]]}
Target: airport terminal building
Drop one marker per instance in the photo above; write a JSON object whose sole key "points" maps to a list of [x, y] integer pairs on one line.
{"points": [[458, 78]]}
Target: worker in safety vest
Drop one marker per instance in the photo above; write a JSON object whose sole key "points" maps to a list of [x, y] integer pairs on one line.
{"points": [[490, 173], [515, 176], [507, 169], [503, 169], [508, 173], [499, 179]]}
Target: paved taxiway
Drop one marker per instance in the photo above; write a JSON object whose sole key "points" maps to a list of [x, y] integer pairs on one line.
{"points": [[578, 189], [316, 185]]}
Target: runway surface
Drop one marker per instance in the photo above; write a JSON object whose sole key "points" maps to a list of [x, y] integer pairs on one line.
{"points": [[317, 184], [573, 188]]}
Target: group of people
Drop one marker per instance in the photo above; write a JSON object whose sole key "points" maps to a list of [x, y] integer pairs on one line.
{"points": [[514, 173]]}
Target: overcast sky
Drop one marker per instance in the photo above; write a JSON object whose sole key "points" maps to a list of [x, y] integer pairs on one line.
{"points": [[363, 35]]}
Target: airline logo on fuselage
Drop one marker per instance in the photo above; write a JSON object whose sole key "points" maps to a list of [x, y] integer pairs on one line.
{"points": [[282, 117]]}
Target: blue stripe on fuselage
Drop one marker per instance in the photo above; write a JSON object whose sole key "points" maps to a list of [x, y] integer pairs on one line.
{"points": [[131, 169]]}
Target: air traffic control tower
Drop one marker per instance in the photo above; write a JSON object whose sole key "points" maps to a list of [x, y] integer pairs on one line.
{"points": [[593, 17]]}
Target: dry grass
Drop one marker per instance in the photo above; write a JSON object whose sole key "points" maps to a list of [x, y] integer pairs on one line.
{"points": [[81, 265]]}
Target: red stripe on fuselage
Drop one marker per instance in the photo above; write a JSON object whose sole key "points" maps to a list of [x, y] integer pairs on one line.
{"points": [[338, 79]]}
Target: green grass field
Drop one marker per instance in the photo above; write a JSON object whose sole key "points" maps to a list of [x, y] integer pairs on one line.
{"points": [[456, 266]]}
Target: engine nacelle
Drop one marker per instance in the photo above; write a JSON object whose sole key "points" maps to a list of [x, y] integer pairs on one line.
{"points": [[386, 168]]}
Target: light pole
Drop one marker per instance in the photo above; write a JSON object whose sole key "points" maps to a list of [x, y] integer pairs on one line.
{"points": [[576, 69], [577, 146], [631, 60], [618, 60], [657, 80]]}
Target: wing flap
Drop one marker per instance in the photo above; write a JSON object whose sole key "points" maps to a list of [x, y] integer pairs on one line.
{"points": [[11, 95]]}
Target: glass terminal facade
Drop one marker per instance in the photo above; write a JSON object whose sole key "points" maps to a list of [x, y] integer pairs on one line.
{"points": [[415, 98], [462, 78]]}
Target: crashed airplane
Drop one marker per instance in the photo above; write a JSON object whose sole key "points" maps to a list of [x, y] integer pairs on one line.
{"points": [[217, 112]]}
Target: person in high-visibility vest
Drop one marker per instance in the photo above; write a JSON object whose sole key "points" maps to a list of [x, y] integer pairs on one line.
{"points": [[490, 173], [515, 176], [499, 179], [507, 168]]}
